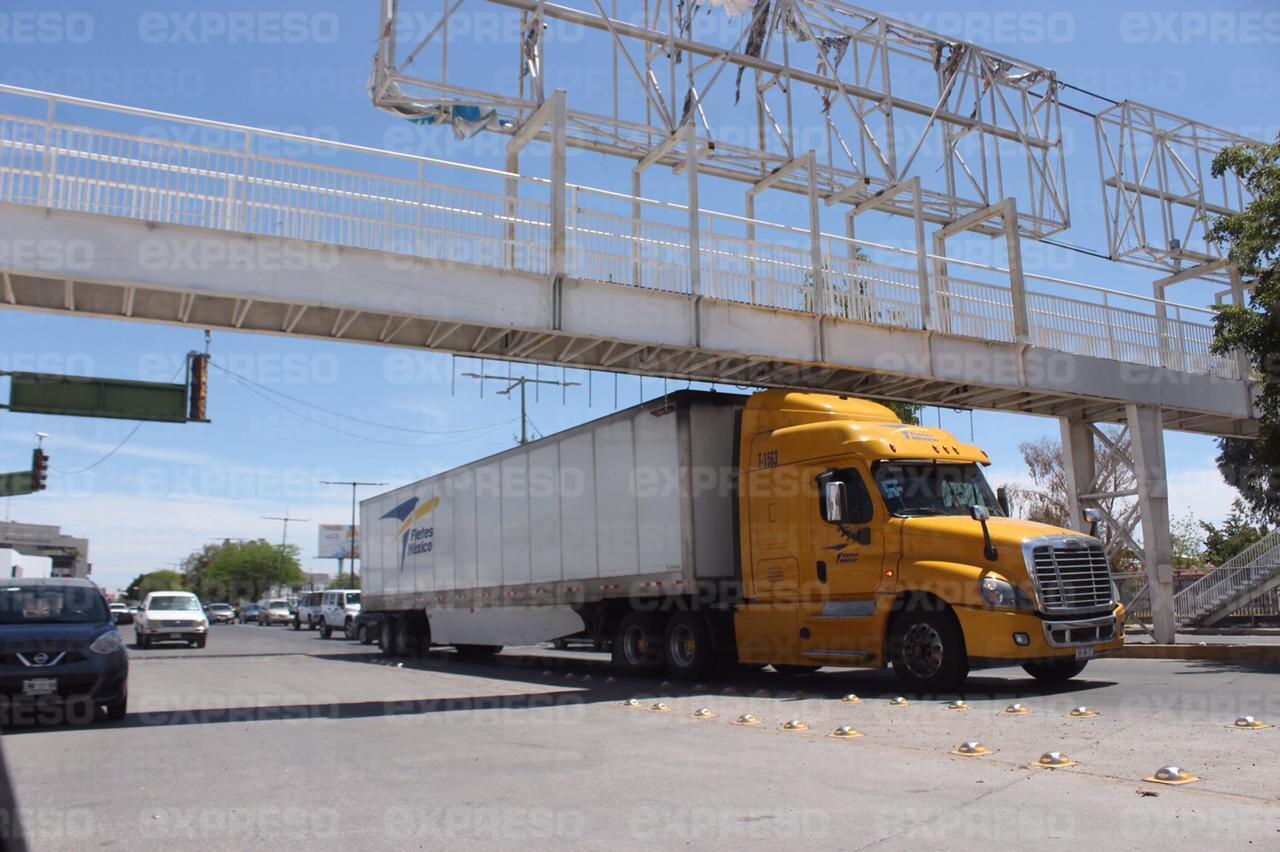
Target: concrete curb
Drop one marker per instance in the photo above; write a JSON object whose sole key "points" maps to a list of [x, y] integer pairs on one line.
{"points": [[1217, 652]]}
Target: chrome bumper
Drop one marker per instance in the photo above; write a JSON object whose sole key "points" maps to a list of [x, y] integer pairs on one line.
{"points": [[1072, 634]]}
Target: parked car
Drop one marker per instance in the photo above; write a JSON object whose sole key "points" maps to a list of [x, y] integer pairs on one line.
{"points": [[368, 627], [120, 613], [275, 612], [249, 612], [60, 652], [307, 613], [220, 613], [338, 611], [171, 617]]}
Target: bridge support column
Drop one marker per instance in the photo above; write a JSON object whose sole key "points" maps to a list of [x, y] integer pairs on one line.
{"points": [[1146, 430], [1078, 467]]}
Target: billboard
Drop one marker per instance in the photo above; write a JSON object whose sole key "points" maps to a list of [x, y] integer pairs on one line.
{"points": [[337, 541]]}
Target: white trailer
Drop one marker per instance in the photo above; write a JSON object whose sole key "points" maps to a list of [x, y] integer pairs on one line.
{"points": [[540, 541]]}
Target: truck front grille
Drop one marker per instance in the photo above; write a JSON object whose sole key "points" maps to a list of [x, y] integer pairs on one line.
{"points": [[1071, 575]]}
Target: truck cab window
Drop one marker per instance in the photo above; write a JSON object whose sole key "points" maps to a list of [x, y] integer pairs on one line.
{"points": [[927, 488], [858, 509]]}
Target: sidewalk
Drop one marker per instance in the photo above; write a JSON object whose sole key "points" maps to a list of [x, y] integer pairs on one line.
{"points": [[1254, 646]]}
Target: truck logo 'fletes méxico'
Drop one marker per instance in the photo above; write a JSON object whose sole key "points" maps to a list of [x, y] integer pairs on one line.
{"points": [[414, 539]]}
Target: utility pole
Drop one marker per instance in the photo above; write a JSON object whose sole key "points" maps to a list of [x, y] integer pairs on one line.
{"points": [[354, 549], [521, 382], [284, 532]]}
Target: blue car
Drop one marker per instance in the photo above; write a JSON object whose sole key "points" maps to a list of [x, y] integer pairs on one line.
{"points": [[61, 658]]}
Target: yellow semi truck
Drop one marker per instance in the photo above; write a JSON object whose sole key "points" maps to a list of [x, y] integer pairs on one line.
{"points": [[702, 531]]}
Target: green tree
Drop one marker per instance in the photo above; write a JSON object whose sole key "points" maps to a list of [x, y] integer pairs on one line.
{"points": [[1241, 528], [1252, 242], [247, 569], [345, 581], [154, 581], [195, 570], [1186, 536]]}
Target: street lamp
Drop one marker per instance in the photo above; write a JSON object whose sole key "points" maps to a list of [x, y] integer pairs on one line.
{"points": [[354, 550], [284, 533]]}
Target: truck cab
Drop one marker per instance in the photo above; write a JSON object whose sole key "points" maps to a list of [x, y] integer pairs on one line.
{"points": [[865, 541]]}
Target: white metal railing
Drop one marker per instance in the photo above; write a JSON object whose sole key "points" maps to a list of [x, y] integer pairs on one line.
{"points": [[425, 207], [1247, 569]]}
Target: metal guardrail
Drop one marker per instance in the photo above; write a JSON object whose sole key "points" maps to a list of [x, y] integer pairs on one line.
{"points": [[430, 208], [1247, 569]]}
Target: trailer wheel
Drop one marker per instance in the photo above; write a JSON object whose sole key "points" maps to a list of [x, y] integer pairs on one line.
{"points": [[927, 649], [1055, 671], [411, 636], [387, 636], [638, 644], [690, 653]]}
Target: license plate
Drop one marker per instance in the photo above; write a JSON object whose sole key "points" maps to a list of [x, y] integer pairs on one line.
{"points": [[40, 686], [175, 636], [1084, 653]]}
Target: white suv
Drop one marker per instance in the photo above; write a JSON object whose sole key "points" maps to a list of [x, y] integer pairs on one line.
{"points": [[338, 611], [171, 617]]}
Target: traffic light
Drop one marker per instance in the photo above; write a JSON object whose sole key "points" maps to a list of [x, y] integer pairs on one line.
{"points": [[198, 382], [39, 469]]}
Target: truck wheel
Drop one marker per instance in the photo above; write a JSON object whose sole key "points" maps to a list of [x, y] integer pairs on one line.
{"points": [[387, 636], [410, 638], [1055, 671], [638, 645], [362, 634], [690, 653], [927, 649]]}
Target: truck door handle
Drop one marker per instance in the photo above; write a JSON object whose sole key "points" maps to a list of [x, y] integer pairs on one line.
{"points": [[822, 571]]}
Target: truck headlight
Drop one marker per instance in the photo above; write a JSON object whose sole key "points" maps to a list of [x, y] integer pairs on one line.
{"points": [[108, 643], [1001, 594]]}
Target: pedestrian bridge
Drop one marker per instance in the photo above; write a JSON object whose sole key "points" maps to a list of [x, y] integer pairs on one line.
{"points": [[111, 211]]}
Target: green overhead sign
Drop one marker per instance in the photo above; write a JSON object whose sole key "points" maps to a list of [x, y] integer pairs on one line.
{"points": [[77, 396]]}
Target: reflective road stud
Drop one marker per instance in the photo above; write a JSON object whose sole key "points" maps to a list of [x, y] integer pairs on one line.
{"points": [[746, 719], [1083, 712], [794, 725], [971, 749], [1248, 723], [703, 713], [959, 705], [631, 702], [1054, 760], [898, 702], [1171, 775], [660, 707], [851, 699], [1016, 710], [844, 732]]}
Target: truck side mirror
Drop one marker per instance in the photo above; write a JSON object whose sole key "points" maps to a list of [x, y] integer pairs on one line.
{"points": [[1093, 516], [1002, 498], [835, 501], [982, 514]]}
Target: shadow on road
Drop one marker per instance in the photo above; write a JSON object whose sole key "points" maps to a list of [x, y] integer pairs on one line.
{"points": [[565, 680]]}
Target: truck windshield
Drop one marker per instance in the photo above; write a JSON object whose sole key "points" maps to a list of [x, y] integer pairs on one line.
{"points": [[926, 488]]}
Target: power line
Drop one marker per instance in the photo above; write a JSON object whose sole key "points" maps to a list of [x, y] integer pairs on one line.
{"points": [[112, 452], [117, 447], [323, 425], [353, 417]]}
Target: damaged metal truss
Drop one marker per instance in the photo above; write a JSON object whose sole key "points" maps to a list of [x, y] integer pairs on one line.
{"points": [[761, 83]]}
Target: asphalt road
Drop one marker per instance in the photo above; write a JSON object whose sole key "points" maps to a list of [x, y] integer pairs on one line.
{"points": [[273, 737]]}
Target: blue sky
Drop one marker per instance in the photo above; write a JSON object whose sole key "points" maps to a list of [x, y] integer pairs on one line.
{"points": [[170, 488]]}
